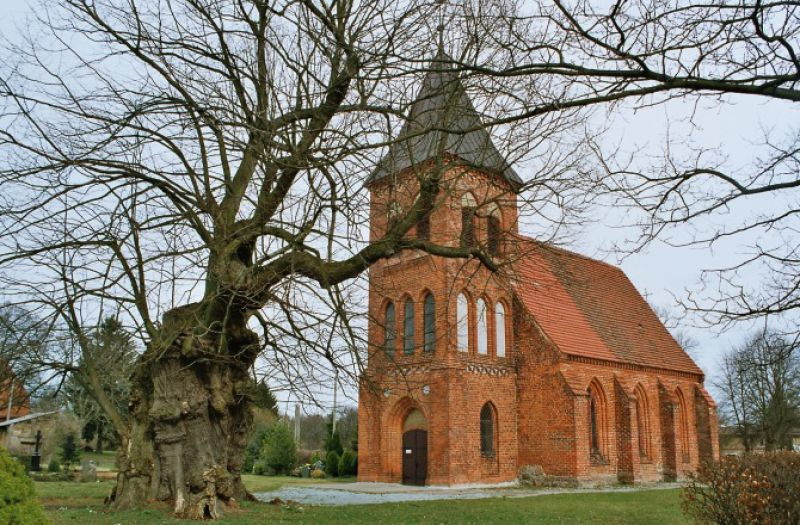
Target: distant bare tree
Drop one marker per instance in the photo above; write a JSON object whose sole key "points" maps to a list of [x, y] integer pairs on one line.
{"points": [[760, 383], [734, 408], [674, 324], [347, 426], [21, 333], [312, 431]]}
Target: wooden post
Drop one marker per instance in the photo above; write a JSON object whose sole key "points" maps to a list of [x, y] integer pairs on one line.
{"points": [[10, 399]]}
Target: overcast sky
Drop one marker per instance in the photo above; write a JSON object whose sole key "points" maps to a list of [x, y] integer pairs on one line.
{"points": [[660, 272]]}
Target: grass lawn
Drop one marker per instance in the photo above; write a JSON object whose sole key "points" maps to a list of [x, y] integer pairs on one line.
{"points": [[104, 461], [82, 504]]}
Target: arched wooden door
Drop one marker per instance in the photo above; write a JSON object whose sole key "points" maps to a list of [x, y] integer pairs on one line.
{"points": [[415, 457]]}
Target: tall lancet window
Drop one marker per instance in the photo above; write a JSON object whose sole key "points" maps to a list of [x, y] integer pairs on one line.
{"points": [[430, 323], [483, 339], [468, 207], [408, 327], [493, 233], [500, 329], [424, 227], [389, 330], [462, 323], [488, 430]]}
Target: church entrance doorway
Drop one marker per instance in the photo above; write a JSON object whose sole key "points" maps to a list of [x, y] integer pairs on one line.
{"points": [[415, 457], [415, 449]]}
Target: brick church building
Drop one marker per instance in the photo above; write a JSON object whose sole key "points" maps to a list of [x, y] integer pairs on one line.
{"points": [[553, 359]]}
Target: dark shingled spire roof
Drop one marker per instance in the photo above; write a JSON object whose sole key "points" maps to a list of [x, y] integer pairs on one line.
{"points": [[441, 115]]}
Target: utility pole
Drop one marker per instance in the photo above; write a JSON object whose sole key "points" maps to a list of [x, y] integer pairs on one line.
{"points": [[335, 386], [297, 423]]}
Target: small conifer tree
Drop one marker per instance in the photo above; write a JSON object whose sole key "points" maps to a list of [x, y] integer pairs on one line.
{"points": [[279, 450], [69, 450], [332, 464]]}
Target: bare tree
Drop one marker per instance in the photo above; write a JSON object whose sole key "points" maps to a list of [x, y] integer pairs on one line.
{"points": [[113, 354], [640, 53], [21, 333], [760, 382], [674, 323], [734, 406], [198, 167]]}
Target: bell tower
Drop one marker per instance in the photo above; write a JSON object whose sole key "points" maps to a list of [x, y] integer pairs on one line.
{"points": [[437, 399]]}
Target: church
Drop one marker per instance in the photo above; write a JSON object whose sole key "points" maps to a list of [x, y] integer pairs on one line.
{"points": [[551, 359]]}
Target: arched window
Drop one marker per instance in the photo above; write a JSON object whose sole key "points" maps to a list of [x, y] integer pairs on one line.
{"points": [[468, 207], [597, 422], [424, 227], [593, 421], [389, 330], [430, 323], [487, 430], [683, 426], [493, 230], [643, 422], [483, 336], [408, 327], [394, 216], [500, 329], [462, 323]]}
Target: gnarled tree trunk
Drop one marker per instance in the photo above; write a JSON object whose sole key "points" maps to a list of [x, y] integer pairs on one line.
{"points": [[190, 415]]}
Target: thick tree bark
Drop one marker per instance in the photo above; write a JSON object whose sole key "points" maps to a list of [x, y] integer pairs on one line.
{"points": [[190, 416]]}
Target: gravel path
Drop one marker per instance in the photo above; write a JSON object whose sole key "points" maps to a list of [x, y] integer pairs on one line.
{"points": [[375, 493]]}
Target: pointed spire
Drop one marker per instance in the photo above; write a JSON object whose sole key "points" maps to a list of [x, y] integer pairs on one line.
{"points": [[443, 114], [440, 30]]}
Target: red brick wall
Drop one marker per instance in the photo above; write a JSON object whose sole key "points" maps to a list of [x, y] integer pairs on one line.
{"points": [[460, 383], [547, 411], [554, 428]]}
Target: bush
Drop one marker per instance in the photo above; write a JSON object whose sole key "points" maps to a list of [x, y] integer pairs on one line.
{"points": [[763, 488], [54, 466], [304, 456], [347, 463], [260, 468], [279, 450], [332, 464], [318, 474], [18, 504]]}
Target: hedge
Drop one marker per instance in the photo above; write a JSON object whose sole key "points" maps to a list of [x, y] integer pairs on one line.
{"points": [[756, 488], [18, 503]]}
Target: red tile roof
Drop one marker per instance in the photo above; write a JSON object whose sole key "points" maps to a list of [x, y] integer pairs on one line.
{"points": [[19, 404], [589, 308]]}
